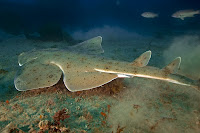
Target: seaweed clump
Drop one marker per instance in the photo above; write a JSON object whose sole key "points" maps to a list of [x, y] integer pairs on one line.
{"points": [[61, 115], [56, 126]]}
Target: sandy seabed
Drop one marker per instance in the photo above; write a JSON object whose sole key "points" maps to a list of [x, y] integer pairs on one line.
{"points": [[142, 105]]}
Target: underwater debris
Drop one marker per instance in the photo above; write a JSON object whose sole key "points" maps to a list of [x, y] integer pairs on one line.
{"points": [[50, 102], [57, 129], [103, 114], [83, 131], [16, 107], [88, 116], [135, 106], [108, 108], [2, 71], [16, 130], [103, 122], [7, 101], [32, 130], [119, 129], [61, 115], [41, 116], [11, 128], [44, 125]]}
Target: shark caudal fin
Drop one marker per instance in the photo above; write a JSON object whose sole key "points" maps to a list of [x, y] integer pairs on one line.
{"points": [[173, 66], [143, 59], [171, 69]]}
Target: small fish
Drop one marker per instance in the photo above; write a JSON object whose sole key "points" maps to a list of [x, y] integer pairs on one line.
{"points": [[182, 14], [149, 15]]}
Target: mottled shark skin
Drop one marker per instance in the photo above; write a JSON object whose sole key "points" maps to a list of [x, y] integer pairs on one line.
{"points": [[85, 70]]}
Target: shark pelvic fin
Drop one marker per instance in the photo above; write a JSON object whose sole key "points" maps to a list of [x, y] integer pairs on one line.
{"points": [[91, 46], [143, 59], [173, 66]]}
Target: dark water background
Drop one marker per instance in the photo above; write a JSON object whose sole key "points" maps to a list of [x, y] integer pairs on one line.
{"points": [[18, 16]]}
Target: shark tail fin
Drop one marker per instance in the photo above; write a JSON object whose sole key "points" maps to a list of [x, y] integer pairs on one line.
{"points": [[173, 66], [143, 59], [198, 11]]}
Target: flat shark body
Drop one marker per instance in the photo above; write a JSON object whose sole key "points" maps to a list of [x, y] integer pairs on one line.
{"points": [[83, 70]]}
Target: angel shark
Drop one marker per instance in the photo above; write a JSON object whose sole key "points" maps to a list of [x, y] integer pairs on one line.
{"points": [[83, 69]]}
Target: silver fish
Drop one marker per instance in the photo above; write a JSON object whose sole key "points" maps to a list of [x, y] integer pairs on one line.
{"points": [[182, 14], [149, 15]]}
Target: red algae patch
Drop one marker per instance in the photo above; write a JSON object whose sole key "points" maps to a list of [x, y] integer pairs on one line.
{"points": [[112, 88]]}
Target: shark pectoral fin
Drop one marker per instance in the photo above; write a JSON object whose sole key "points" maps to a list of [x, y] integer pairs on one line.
{"points": [[34, 75], [92, 46], [143, 59], [86, 80], [173, 66]]}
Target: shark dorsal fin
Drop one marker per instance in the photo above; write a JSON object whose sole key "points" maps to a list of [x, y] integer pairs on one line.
{"points": [[143, 59], [173, 66], [91, 46]]}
